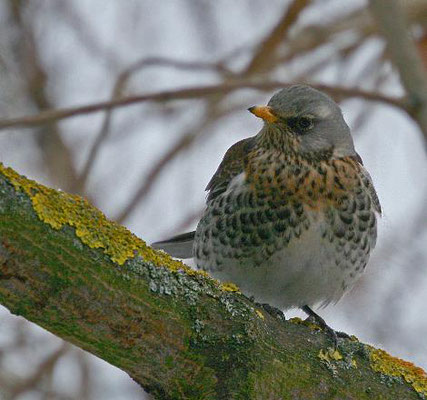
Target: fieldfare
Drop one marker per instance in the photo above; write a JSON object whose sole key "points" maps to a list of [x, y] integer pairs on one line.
{"points": [[291, 213]]}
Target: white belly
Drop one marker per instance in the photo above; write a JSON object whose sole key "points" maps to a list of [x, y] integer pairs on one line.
{"points": [[303, 273]]}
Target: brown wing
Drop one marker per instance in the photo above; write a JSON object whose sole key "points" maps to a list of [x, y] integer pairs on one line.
{"points": [[232, 164]]}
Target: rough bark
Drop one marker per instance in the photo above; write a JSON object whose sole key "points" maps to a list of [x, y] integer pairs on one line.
{"points": [[178, 333]]}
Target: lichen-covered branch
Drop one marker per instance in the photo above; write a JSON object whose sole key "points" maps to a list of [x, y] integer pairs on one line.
{"points": [[177, 332]]}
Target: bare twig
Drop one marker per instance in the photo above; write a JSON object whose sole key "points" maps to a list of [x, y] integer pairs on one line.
{"points": [[211, 114], [118, 89], [45, 367], [265, 53], [86, 375], [152, 175], [377, 75], [202, 66], [85, 33], [187, 221], [392, 23], [190, 93], [102, 135], [358, 22], [56, 154]]}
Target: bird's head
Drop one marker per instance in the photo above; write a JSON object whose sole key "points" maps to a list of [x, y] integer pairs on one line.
{"points": [[304, 120]]}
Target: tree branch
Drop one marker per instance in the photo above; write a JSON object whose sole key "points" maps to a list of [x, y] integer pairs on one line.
{"points": [[56, 155], [190, 93], [45, 367], [392, 23], [265, 53], [177, 332]]}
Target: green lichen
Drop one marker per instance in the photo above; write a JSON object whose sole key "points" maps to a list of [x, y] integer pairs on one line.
{"points": [[396, 368]]}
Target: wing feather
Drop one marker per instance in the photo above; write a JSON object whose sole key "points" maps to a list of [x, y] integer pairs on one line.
{"points": [[232, 165], [369, 184]]}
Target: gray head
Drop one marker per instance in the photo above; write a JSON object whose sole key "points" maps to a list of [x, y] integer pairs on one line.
{"points": [[307, 120]]}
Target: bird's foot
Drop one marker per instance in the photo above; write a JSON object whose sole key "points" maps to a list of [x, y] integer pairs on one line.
{"points": [[334, 335], [273, 311]]}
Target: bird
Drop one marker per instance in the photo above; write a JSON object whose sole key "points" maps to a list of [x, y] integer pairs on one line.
{"points": [[291, 213]]}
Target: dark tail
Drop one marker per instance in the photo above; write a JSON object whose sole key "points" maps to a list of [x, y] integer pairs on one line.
{"points": [[180, 246]]}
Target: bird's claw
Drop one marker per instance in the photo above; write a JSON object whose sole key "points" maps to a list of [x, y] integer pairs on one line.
{"points": [[273, 311], [334, 335]]}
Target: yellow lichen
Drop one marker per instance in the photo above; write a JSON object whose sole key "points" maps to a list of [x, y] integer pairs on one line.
{"points": [[296, 320], [230, 287], [330, 355], [58, 209], [260, 314], [311, 325], [392, 366]]}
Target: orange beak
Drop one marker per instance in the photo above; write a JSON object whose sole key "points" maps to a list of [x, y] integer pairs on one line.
{"points": [[263, 112]]}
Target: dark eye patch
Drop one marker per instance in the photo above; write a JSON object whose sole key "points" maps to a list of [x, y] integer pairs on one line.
{"points": [[300, 125]]}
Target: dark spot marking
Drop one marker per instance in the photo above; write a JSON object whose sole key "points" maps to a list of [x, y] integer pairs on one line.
{"points": [[239, 199], [280, 226], [340, 231], [244, 218], [338, 183], [283, 213], [264, 233], [253, 219], [365, 216], [220, 225], [231, 233], [261, 217], [269, 214], [251, 200], [346, 218], [244, 240]]}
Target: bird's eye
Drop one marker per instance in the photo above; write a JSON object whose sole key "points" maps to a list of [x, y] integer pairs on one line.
{"points": [[300, 125], [305, 123]]}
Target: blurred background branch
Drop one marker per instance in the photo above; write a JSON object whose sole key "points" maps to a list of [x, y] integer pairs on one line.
{"points": [[56, 154], [392, 23], [49, 116]]}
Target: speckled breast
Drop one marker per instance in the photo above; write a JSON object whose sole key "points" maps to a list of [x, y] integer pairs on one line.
{"points": [[281, 202]]}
